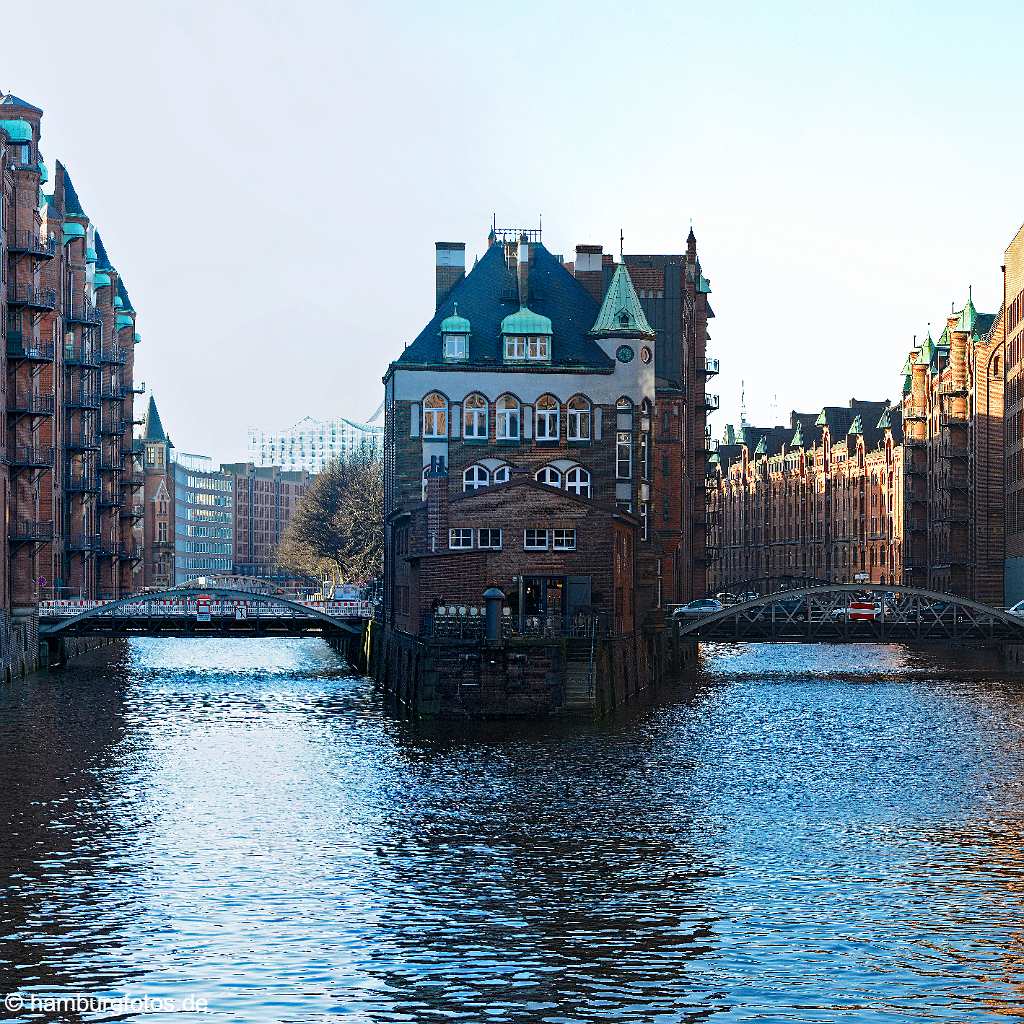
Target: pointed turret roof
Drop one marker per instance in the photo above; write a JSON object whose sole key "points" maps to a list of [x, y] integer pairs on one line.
{"points": [[10, 100], [72, 205], [968, 315], [153, 429], [621, 312], [884, 422], [857, 426], [927, 349], [102, 259]]}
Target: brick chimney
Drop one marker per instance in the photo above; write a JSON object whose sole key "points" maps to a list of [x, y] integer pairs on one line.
{"points": [[450, 268], [523, 270], [437, 504], [588, 269], [958, 367]]}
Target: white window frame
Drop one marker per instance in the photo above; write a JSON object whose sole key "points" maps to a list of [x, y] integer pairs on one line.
{"points": [[515, 347], [436, 416], [623, 442], [547, 421], [577, 481], [476, 484], [460, 534], [456, 347], [565, 542], [538, 348], [489, 546], [474, 418], [501, 474], [549, 471], [505, 418], [579, 421], [537, 544]]}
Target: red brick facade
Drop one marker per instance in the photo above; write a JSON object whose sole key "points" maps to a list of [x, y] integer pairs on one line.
{"points": [[73, 476]]}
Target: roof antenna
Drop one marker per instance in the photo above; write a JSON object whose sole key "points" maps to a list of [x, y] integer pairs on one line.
{"points": [[540, 226], [622, 242], [743, 403]]}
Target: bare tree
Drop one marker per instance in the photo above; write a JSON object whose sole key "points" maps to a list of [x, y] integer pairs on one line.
{"points": [[338, 529]]}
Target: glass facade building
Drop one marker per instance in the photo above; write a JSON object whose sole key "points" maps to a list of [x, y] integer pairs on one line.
{"points": [[203, 518], [312, 445]]}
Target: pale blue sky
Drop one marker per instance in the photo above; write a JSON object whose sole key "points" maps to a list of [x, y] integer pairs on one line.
{"points": [[270, 178]]}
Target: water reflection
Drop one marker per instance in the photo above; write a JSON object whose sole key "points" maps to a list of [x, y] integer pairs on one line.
{"points": [[816, 834]]}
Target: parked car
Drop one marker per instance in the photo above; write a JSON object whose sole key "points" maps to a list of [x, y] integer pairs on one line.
{"points": [[727, 598], [696, 609], [946, 611], [790, 608], [750, 595]]}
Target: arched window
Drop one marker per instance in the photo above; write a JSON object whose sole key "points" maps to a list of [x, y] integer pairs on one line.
{"points": [[475, 477], [550, 476], [547, 418], [577, 481], [435, 415], [500, 475], [474, 417], [579, 416], [506, 418], [995, 367]]}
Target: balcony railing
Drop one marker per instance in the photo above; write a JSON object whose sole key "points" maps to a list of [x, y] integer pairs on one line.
{"points": [[81, 441], [710, 444], [137, 447], [710, 366], [81, 483], [31, 457], [30, 405], [915, 412], [84, 542], [108, 464], [111, 498], [81, 355], [134, 511], [24, 241], [20, 347], [132, 552], [114, 355], [112, 427], [82, 400], [83, 313], [950, 388], [133, 480], [711, 402], [34, 298], [113, 392], [30, 531]]}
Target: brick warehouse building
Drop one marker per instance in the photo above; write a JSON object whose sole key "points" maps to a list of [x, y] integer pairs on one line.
{"points": [[953, 460], [72, 475], [1013, 321], [541, 436], [818, 500]]}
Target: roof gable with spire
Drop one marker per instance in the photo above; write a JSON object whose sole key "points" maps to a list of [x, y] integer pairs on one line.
{"points": [[621, 312]]}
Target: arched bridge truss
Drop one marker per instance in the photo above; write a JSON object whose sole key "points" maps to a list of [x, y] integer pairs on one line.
{"points": [[214, 611], [858, 613]]}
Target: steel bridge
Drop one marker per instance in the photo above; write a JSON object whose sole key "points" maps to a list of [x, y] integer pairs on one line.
{"points": [[858, 613], [198, 612]]}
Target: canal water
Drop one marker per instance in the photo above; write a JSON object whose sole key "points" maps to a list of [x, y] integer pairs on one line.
{"points": [[825, 834]]}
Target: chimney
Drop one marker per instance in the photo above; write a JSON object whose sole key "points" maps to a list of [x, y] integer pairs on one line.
{"points": [[437, 504], [450, 263], [588, 269], [523, 270], [958, 367]]}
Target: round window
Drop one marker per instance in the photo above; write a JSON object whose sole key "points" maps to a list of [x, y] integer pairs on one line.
{"points": [[645, 354], [624, 354]]}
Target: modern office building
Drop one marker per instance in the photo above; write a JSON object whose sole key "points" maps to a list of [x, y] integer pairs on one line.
{"points": [[203, 518], [310, 445]]}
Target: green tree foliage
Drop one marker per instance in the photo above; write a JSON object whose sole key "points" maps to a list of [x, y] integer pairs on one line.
{"points": [[338, 529]]}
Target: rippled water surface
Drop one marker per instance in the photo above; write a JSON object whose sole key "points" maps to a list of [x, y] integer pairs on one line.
{"points": [[815, 835]]}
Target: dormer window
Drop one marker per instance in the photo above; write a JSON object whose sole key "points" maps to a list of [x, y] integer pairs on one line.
{"points": [[527, 337], [456, 346], [455, 331]]}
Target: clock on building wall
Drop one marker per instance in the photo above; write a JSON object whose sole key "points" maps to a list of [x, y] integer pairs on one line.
{"points": [[624, 354]]}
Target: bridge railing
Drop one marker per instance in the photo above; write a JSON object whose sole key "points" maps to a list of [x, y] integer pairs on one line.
{"points": [[256, 606]]}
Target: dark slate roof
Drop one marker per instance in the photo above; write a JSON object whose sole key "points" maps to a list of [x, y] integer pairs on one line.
{"points": [[102, 260], [896, 424], [484, 298], [729, 453], [153, 429], [809, 431], [123, 293], [983, 323], [72, 205], [10, 100]]}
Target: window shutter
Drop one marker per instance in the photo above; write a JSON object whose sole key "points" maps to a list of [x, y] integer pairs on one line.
{"points": [[414, 419], [527, 421], [597, 422], [455, 427]]}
